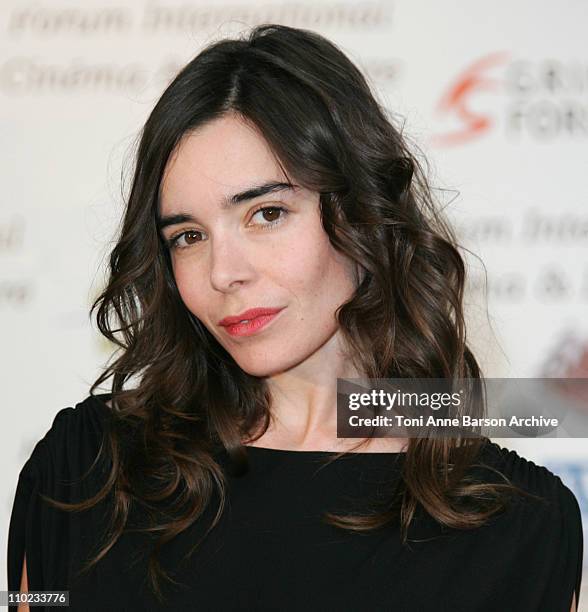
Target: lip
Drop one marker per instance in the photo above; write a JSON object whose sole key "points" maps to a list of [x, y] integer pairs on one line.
{"points": [[252, 313], [255, 324]]}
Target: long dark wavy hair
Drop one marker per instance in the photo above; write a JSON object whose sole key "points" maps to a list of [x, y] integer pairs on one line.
{"points": [[405, 319]]}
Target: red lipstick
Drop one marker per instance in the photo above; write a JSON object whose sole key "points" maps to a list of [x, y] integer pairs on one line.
{"points": [[249, 321]]}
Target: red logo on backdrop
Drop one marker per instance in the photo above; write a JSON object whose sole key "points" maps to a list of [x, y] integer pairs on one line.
{"points": [[457, 101], [569, 359]]}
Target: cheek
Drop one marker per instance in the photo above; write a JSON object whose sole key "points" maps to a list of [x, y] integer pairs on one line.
{"points": [[301, 266], [189, 289], [315, 274]]}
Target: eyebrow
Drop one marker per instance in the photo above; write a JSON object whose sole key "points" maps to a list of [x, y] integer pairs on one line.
{"points": [[228, 201]]}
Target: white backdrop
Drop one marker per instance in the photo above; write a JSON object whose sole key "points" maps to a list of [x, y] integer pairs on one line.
{"points": [[495, 96]]}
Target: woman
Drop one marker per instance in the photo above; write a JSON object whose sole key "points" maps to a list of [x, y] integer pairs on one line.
{"points": [[279, 235]]}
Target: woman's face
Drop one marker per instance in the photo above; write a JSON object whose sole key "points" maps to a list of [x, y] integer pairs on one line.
{"points": [[228, 259]]}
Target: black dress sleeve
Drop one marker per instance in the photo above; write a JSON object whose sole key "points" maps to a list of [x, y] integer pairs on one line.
{"points": [[554, 540], [547, 534], [22, 533], [567, 571], [53, 539]]}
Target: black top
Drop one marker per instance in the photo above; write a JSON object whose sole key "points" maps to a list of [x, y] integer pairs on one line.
{"points": [[272, 552]]}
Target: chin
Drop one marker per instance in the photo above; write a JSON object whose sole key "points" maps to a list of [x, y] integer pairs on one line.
{"points": [[265, 366], [261, 369], [256, 367]]}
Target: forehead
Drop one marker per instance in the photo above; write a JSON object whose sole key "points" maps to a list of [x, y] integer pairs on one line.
{"points": [[217, 160]]}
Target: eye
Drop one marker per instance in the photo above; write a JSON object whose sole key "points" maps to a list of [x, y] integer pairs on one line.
{"points": [[174, 241], [272, 212], [191, 237]]}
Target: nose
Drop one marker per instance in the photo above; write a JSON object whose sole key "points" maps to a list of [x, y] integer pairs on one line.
{"points": [[230, 263]]}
